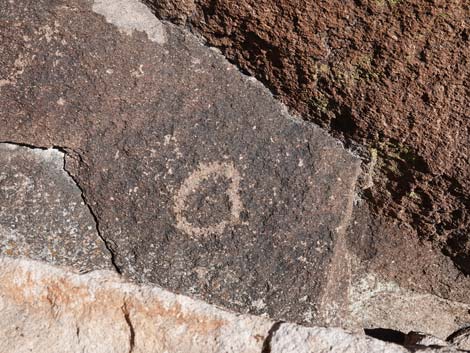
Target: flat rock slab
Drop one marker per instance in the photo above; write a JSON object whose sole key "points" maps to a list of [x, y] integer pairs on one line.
{"points": [[42, 213], [200, 181]]}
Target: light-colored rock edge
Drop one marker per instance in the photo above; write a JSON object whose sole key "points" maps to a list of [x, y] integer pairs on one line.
{"points": [[50, 309], [130, 16]]}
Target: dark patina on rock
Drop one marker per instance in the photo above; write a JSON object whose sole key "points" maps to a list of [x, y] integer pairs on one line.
{"points": [[42, 213], [200, 181], [392, 75]]}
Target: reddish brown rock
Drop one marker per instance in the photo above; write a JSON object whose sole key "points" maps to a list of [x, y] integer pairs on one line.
{"points": [[200, 182], [391, 75]]}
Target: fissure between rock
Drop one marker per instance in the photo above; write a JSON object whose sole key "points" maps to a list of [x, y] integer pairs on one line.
{"points": [[66, 152], [127, 318], [267, 342], [95, 218]]}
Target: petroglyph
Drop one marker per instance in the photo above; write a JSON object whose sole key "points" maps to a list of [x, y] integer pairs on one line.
{"points": [[193, 183], [200, 182]]}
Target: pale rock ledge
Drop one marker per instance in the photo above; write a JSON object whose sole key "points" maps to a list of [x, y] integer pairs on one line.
{"points": [[51, 309]]}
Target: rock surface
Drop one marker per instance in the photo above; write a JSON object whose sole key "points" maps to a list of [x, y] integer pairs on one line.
{"points": [[354, 297], [196, 180], [47, 309], [461, 339], [392, 75], [199, 180], [42, 213]]}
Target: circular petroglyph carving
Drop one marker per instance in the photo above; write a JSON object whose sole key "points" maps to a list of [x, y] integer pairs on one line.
{"points": [[194, 184]]}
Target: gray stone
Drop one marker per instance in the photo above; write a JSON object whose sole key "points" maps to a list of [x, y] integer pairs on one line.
{"points": [[423, 339], [131, 16], [42, 213], [377, 282], [374, 302], [200, 181]]}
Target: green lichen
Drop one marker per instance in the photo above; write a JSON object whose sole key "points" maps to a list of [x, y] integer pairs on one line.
{"points": [[391, 2], [373, 154], [398, 151], [395, 158], [320, 103], [365, 68], [362, 69]]}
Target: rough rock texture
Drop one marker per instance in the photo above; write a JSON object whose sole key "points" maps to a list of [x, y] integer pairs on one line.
{"points": [[42, 213], [386, 249], [46, 309], [374, 302], [200, 181], [461, 339], [290, 338], [353, 297], [362, 295], [392, 75]]}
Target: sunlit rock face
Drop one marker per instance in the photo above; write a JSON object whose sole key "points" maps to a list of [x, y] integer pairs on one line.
{"points": [[199, 181]]}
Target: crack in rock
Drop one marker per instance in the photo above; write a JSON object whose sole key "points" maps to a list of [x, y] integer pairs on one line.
{"points": [[107, 244], [127, 318], [39, 197], [267, 342]]}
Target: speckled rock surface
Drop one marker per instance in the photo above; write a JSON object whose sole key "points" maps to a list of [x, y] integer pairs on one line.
{"points": [[197, 181], [392, 75], [42, 213], [200, 181]]}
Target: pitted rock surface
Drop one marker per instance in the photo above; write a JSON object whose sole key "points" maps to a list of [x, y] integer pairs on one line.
{"points": [[199, 180], [42, 213]]}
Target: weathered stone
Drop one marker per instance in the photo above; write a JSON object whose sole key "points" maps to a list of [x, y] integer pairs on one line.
{"points": [[359, 296], [46, 309], [42, 213], [423, 339], [199, 180], [380, 282], [392, 75], [352, 67], [130, 16], [290, 338], [374, 302]]}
